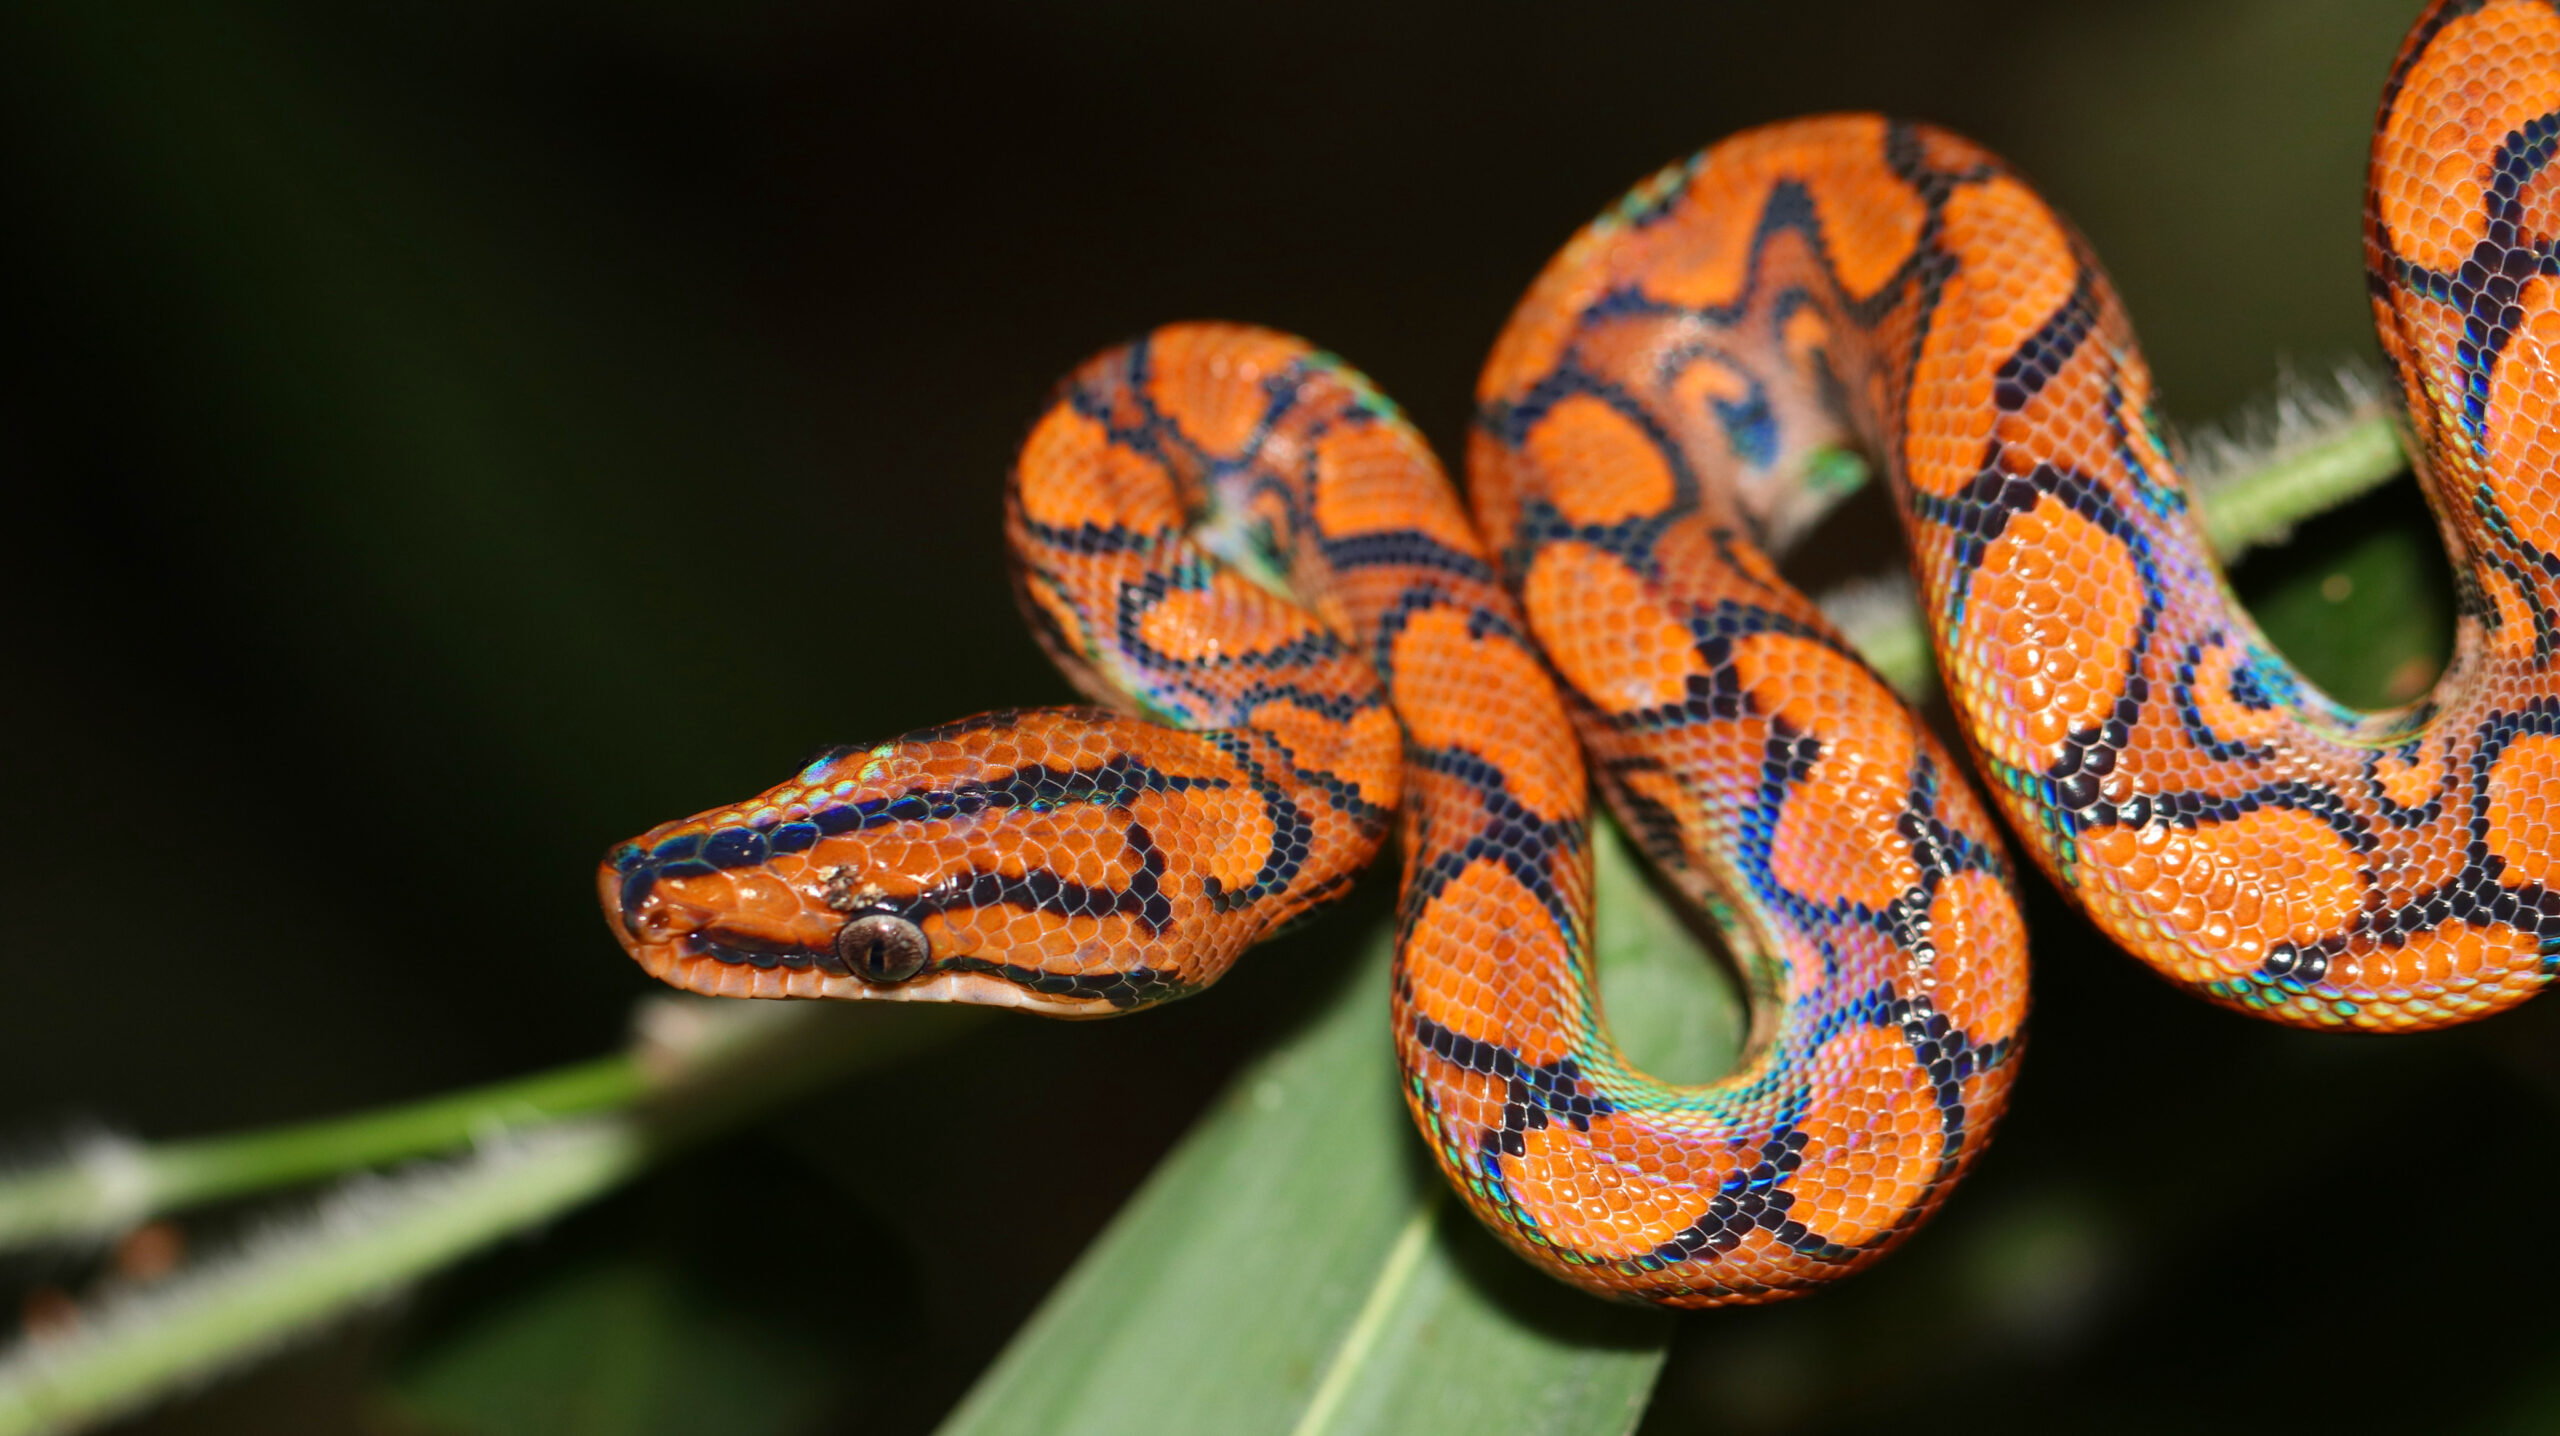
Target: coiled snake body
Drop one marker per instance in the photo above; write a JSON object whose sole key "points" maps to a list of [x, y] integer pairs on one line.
{"points": [[1647, 420]]}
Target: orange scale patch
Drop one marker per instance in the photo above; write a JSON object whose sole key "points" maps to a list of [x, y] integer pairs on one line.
{"points": [[1044, 591], [2065, 423], [2052, 611], [1493, 489], [2524, 419], [1836, 837], [1085, 843], [1692, 570], [1943, 150], [1755, 565], [2225, 716], [1171, 750], [1982, 946], [1602, 1193], [2483, 75], [2017, 269], [1489, 697], [1601, 466], [1230, 618], [1818, 690], [1467, 1101], [2524, 809], [1046, 941], [1072, 473], [1488, 963], [1873, 1144], [1702, 382], [1871, 220], [1373, 478], [1697, 257], [1604, 631], [1208, 379], [1366, 749], [2540, 202], [1805, 335], [1660, 788], [2409, 776], [2513, 637], [2224, 893], [2455, 957], [1236, 835], [2394, 330]]}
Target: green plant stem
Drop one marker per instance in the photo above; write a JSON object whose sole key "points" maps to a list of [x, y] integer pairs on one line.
{"points": [[2261, 507], [356, 1248], [371, 1238], [107, 1186]]}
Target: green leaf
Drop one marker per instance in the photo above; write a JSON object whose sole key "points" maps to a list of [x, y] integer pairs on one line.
{"points": [[621, 1349], [2369, 619], [1297, 1267]]}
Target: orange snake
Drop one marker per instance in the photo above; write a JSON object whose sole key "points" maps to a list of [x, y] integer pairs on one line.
{"points": [[1650, 413]]}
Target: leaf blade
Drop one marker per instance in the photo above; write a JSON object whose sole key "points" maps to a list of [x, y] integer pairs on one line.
{"points": [[1295, 1266]]}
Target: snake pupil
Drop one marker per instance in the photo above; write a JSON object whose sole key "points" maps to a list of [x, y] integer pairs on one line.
{"points": [[882, 947]]}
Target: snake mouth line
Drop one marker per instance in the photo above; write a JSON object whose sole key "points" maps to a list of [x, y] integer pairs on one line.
{"points": [[741, 950], [973, 983]]}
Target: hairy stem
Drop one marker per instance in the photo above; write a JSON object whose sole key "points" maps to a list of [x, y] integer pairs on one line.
{"points": [[700, 1068]]}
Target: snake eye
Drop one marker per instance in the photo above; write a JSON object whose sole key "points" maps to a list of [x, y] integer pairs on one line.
{"points": [[882, 947]]}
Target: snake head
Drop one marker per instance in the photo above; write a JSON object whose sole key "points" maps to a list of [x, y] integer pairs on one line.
{"points": [[1072, 861]]}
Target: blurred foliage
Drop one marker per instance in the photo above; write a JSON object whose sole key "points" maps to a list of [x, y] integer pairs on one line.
{"points": [[621, 1350], [452, 438]]}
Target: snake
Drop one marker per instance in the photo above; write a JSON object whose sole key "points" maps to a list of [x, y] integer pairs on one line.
{"points": [[1297, 638]]}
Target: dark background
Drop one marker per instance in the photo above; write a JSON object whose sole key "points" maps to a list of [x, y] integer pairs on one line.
{"points": [[447, 439]]}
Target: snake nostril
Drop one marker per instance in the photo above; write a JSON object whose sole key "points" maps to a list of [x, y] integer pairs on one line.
{"points": [[882, 947]]}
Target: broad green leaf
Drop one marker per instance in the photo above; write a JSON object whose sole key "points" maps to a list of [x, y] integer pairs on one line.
{"points": [[1297, 1267]]}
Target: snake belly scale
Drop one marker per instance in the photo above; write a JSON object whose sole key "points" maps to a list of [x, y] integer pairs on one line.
{"points": [[1299, 638]]}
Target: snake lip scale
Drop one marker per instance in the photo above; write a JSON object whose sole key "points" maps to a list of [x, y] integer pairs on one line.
{"points": [[1298, 639]]}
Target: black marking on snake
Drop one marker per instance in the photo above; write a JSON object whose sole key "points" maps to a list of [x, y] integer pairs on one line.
{"points": [[1313, 644], [1143, 901], [1511, 836], [1396, 548], [1132, 987], [1537, 1094], [1292, 832], [2243, 687], [1756, 1198], [1509, 422], [2039, 358], [2410, 754], [2192, 809]]}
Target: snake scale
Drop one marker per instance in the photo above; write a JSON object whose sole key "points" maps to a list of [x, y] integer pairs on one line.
{"points": [[1299, 638]]}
